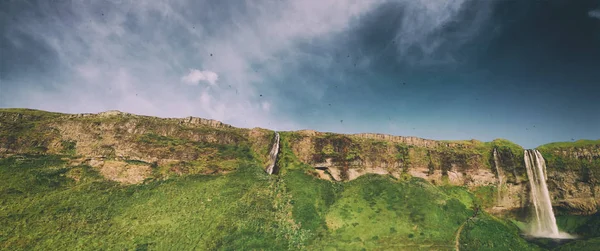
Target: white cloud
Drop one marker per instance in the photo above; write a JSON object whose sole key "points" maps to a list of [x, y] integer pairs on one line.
{"points": [[88, 71], [423, 20], [195, 76], [266, 106], [594, 14]]}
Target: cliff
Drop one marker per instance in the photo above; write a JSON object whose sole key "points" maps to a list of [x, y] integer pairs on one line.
{"points": [[574, 175], [469, 163], [500, 183], [130, 148]]}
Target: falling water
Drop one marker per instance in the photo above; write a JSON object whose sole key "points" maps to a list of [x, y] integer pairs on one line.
{"points": [[544, 222], [500, 174], [273, 155]]}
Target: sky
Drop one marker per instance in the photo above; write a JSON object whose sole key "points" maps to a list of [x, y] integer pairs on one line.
{"points": [[526, 71]]}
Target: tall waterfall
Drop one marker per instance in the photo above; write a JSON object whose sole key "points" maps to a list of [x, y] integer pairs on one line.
{"points": [[273, 155], [544, 223]]}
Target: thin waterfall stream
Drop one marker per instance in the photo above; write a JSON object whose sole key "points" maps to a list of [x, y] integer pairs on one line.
{"points": [[500, 175], [273, 155]]}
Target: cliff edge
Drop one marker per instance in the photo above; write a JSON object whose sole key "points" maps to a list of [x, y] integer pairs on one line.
{"points": [[130, 149]]}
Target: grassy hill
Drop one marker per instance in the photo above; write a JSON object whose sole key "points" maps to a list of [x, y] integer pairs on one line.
{"points": [[122, 181], [43, 207]]}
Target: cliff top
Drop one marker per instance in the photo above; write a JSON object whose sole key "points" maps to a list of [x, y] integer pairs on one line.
{"points": [[34, 114]]}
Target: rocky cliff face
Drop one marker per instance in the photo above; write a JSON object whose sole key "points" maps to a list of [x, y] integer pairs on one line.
{"points": [[129, 149], [574, 175], [346, 157], [502, 183], [457, 163]]}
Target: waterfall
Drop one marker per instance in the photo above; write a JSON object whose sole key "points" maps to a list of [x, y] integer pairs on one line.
{"points": [[273, 155], [500, 175], [544, 223]]}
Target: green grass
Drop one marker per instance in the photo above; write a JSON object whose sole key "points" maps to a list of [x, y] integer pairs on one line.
{"points": [[47, 210], [27, 136], [31, 113], [377, 212], [69, 147], [43, 207], [559, 156], [573, 144], [503, 143], [485, 196], [570, 223], [286, 159], [581, 245], [45, 204], [311, 198], [489, 233], [28, 174], [461, 194], [586, 228]]}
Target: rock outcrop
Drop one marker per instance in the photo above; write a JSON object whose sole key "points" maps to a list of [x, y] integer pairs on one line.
{"points": [[129, 148], [411, 141]]}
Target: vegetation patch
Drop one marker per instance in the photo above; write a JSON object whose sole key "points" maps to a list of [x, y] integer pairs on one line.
{"points": [[68, 147], [485, 196], [565, 145]]}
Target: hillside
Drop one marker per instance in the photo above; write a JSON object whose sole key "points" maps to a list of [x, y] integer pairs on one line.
{"points": [[130, 148], [123, 181]]}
